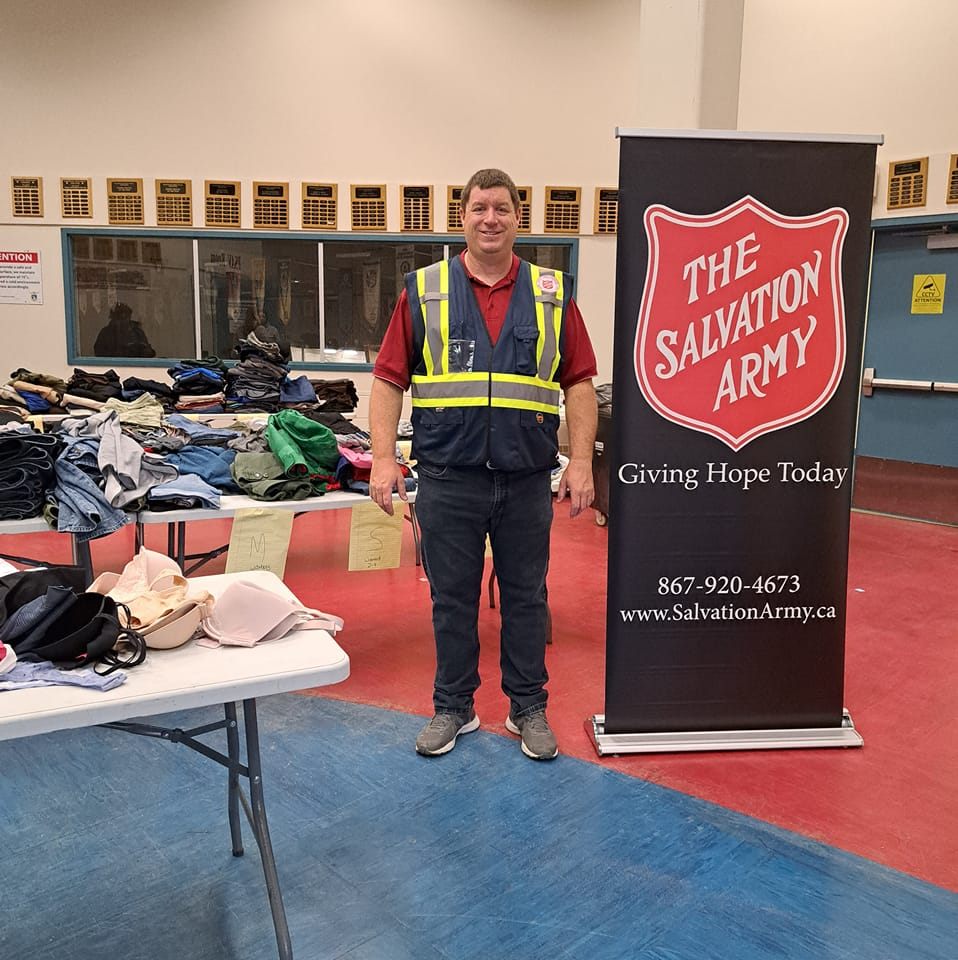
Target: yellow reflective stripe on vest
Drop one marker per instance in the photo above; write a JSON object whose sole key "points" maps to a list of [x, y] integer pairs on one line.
{"points": [[548, 320], [473, 389], [450, 390], [432, 285], [527, 393]]}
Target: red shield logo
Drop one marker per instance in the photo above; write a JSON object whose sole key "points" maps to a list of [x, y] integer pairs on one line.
{"points": [[742, 325]]}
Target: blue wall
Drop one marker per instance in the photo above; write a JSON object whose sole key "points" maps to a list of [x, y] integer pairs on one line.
{"points": [[904, 425]]}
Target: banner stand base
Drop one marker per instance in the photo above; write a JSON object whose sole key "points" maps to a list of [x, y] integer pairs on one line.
{"points": [[688, 740]]}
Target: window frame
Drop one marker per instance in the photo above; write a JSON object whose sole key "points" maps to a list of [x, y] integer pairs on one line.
{"points": [[319, 239]]}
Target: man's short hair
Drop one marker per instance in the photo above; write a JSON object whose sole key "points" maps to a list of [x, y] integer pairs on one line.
{"points": [[486, 180]]}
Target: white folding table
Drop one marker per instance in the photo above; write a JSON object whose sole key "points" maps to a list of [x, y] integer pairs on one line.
{"points": [[196, 676], [80, 548]]}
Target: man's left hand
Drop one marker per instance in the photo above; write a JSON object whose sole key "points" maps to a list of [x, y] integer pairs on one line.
{"points": [[577, 480]]}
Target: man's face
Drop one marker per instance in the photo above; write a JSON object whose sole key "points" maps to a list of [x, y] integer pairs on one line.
{"points": [[489, 222]]}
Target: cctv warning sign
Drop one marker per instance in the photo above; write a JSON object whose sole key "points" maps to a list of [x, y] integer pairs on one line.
{"points": [[928, 293]]}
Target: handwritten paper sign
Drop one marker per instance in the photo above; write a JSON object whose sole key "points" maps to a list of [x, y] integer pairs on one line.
{"points": [[375, 539], [260, 540]]}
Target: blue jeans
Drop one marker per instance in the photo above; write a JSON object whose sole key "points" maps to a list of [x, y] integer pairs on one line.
{"points": [[456, 508]]}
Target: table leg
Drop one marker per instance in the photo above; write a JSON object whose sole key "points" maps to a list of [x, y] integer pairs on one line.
{"points": [[82, 557], [415, 533], [261, 829], [233, 797], [181, 544], [254, 808]]}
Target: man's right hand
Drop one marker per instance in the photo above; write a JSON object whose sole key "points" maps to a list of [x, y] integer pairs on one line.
{"points": [[385, 477]]}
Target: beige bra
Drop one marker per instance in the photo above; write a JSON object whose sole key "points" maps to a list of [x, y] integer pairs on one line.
{"points": [[153, 587]]}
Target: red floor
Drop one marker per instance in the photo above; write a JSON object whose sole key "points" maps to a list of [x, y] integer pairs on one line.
{"points": [[895, 801]]}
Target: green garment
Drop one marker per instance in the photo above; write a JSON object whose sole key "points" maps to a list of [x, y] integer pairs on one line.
{"points": [[261, 476], [304, 447]]}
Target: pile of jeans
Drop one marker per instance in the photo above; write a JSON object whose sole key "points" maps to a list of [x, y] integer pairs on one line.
{"points": [[209, 463], [189, 491], [26, 472], [199, 432], [78, 504]]}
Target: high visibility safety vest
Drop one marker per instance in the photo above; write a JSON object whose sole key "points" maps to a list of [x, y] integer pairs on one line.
{"points": [[474, 403]]}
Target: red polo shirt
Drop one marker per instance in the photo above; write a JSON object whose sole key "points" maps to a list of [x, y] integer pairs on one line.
{"points": [[395, 360]]}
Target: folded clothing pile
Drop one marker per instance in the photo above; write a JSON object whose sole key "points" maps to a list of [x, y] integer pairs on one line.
{"points": [[145, 411], [199, 432], [198, 379], [188, 491], [96, 386], [336, 395], [297, 390], [202, 402], [255, 383], [266, 340], [134, 387], [27, 470]]}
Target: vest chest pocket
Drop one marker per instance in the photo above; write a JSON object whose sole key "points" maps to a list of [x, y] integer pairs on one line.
{"points": [[526, 339], [461, 355], [440, 418], [438, 434]]}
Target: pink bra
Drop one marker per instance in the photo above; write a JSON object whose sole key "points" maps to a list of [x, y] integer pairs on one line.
{"points": [[245, 614]]}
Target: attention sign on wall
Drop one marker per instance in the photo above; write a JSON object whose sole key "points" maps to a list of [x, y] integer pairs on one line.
{"points": [[20, 277]]}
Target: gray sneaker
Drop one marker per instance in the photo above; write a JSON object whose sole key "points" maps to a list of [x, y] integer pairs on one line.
{"points": [[439, 735], [538, 740]]}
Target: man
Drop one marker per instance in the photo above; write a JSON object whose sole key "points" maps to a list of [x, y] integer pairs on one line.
{"points": [[487, 342], [122, 336]]}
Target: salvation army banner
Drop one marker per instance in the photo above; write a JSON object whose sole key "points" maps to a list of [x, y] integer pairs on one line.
{"points": [[740, 301]]}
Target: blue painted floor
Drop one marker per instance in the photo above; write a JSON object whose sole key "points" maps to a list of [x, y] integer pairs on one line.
{"points": [[116, 846]]}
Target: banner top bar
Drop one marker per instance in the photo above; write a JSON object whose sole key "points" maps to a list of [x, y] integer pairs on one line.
{"points": [[691, 134]]}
